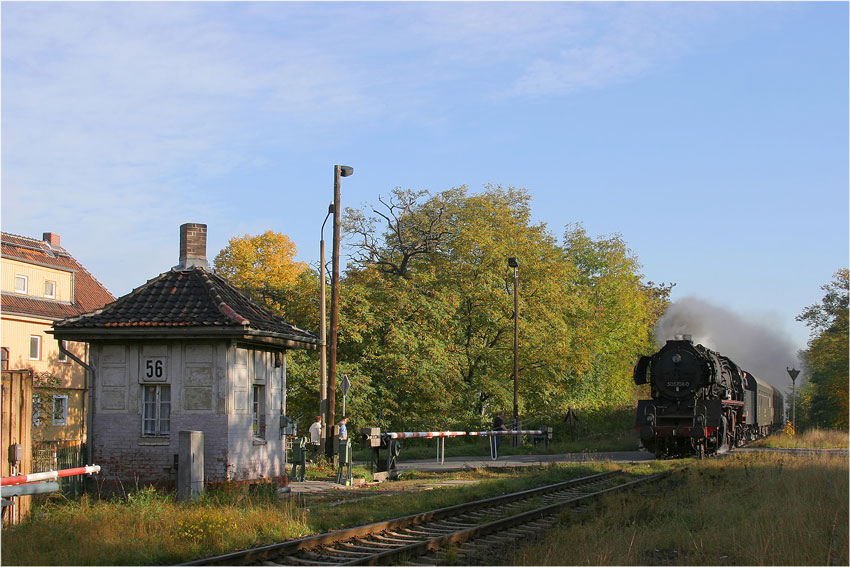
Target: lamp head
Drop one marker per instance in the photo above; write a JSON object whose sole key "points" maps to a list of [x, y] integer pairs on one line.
{"points": [[331, 209], [345, 170], [512, 262]]}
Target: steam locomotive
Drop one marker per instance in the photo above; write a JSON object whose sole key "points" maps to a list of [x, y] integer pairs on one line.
{"points": [[702, 402]]}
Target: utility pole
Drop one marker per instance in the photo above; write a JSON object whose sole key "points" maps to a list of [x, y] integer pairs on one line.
{"points": [[339, 171], [512, 262], [323, 323]]}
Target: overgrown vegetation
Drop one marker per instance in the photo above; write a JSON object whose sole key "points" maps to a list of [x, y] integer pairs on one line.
{"points": [[823, 399], [747, 509], [149, 528], [814, 438]]}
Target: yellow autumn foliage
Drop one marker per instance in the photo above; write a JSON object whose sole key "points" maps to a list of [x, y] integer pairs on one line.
{"points": [[262, 262]]}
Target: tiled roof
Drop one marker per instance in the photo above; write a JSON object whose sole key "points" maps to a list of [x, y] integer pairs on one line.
{"points": [[89, 294], [186, 298], [27, 305]]}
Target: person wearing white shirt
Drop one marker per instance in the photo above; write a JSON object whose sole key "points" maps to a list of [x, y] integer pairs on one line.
{"points": [[315, 437]]}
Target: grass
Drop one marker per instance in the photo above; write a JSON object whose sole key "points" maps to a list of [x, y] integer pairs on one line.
{"points": [[814, 438], [720, 512], [149, 528], [753, 509]]}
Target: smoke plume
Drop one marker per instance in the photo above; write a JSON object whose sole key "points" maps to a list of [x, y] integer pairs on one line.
{"points": [[752, 345]]}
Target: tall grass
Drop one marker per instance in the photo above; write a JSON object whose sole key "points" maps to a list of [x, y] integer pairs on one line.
{"points": [[753, 509], [148, 528], [814, 438]]}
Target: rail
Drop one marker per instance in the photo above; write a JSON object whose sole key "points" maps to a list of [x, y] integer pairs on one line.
{"points": [[395, 540]]}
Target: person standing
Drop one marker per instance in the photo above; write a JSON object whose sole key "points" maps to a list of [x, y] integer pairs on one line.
{"points": [[343, 430], [498, 425], [315, 437]]}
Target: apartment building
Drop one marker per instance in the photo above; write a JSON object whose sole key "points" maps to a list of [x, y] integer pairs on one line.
{"points": [[42, 283]]}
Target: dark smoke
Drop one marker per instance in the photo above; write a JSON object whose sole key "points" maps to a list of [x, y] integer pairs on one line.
{"points": [[758, 349]]}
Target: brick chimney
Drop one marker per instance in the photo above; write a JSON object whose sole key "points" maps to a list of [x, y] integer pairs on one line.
{"points": [[51, 238], [193, 246]]}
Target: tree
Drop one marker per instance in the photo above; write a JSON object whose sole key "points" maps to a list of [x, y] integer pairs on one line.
{"points": [[826, 359], [427, 309], [263, 266], [411, 230]]}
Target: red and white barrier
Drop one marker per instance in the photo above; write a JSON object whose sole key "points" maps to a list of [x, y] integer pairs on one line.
{"points": [[425, 434], [441, 437], [49, 475], [509, 432], [432, 434]]}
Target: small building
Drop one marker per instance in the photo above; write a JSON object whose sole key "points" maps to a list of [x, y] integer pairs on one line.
{"points": [[187, 351], [42, 283]]}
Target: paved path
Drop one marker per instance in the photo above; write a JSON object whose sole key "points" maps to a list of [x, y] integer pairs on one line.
{"points": [[461, 463]]}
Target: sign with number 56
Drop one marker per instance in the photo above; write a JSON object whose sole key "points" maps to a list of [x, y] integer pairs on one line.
{"points": [[154, 369]]}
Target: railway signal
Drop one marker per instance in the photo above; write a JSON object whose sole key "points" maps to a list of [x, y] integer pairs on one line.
{"points": [[793, 373]]}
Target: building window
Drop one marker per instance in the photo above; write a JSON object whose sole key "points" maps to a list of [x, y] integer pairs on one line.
{"points": [[35, 347], [20, 284], [258, 410], [60, 410], [5, 358], [49, 289], [156, 413], [62, 356]]}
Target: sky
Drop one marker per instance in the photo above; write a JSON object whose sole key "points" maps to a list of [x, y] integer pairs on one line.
{"points": [[713, 137]]}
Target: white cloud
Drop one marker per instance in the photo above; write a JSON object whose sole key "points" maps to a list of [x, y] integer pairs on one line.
{"points": [[122, 118]]}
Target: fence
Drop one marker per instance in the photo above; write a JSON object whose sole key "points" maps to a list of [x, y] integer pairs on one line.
{"points": [[60, 455], [16, 401]]}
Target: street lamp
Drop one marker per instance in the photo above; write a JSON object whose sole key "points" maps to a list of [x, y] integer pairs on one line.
{"points": [[323, 370], [793, 373], [512, 262], [339, 171]]}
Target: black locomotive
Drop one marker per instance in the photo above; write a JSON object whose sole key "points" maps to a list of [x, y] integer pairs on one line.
{"points": [[702, 402]]}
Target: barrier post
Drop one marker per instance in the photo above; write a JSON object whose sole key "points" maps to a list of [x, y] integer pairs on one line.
{"points": [[299, 459], [344, 463]]}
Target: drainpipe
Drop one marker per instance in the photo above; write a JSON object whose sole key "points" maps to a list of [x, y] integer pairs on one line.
{"points": [[90, 388]]}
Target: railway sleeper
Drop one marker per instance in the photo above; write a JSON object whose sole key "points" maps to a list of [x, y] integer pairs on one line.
{"points": [[395, 540], [455, 525], [293, 560], [341, 548], [308, 555], [375, 541]]}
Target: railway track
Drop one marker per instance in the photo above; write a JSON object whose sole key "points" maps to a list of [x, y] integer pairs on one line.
{"points": [[447, 533]]}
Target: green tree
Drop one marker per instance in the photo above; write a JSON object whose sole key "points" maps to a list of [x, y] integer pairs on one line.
{"points": [[826, 358], [427, 309]]}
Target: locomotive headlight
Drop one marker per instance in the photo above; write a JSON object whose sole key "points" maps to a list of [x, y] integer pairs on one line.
{"points": [[650, 419], [700, 419], [677, 358]]}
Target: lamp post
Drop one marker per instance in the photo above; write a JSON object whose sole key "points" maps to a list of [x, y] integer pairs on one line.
{"points": [[512, 262], [339, 171], [793, 373], [323, 347]]}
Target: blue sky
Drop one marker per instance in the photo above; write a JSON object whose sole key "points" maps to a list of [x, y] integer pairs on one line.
{"points": [[712, 136]]}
